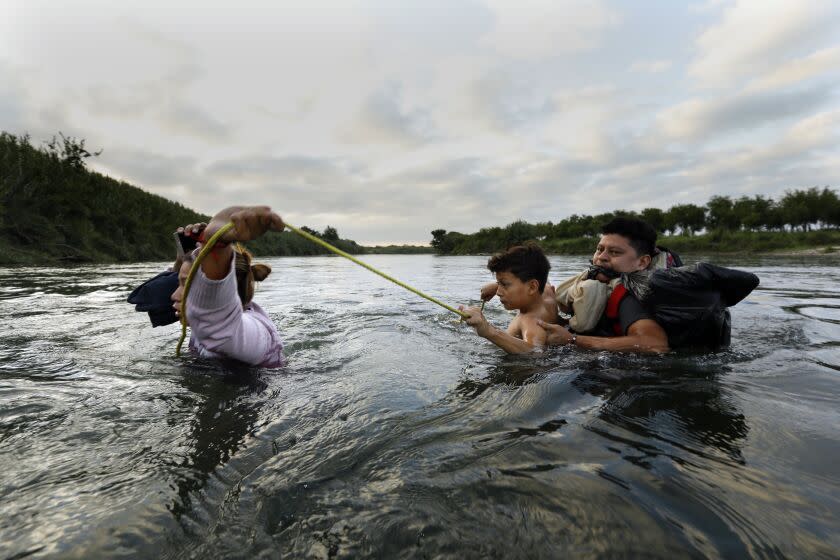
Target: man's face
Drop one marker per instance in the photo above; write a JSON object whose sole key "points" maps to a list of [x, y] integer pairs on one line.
{"points": [[615, 253], [513, 292]]}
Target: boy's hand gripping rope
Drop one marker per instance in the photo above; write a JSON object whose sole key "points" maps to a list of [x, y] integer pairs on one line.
{"points": [[317, 240]]}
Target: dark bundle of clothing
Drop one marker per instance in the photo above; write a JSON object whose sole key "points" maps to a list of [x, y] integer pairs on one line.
{"points": [[690, 302], [154, 297]]}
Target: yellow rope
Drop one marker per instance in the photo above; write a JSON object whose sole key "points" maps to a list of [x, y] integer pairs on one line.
{"points": [[205, 250], [338, 251]]}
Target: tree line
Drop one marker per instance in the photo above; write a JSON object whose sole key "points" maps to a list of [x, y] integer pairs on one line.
{"points": [[53, 208], [797, 210]]}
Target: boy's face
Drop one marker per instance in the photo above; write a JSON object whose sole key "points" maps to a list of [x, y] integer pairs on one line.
{"points": [[513, 292]]}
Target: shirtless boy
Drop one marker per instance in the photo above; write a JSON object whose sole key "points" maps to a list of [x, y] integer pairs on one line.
{"points": [[521, 275]]}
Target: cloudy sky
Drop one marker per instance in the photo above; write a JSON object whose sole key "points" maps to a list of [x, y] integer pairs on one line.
{"points": [[389, 118]]}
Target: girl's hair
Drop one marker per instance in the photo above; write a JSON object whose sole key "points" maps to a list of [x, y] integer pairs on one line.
{"points": [[247, 273]]}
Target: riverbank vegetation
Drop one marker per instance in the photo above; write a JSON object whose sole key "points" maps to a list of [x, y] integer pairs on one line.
{"points": [[54, 209], [801, 219]]}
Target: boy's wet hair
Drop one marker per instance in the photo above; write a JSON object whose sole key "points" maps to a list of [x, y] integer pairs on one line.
{"points": [[639, 233], [526, 262]]}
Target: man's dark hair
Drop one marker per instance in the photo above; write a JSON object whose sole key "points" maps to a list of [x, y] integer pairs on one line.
{"points": [[639, 233], [526, 262]]}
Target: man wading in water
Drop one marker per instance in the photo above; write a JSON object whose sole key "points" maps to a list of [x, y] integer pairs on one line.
{"points": [[627, 246]]}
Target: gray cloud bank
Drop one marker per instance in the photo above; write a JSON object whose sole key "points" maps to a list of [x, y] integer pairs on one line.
{"points": [[391, 128]]}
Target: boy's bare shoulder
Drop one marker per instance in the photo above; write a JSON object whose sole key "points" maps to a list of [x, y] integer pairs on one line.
{"points": [[537, 315], [530, 320], [514, 327], [530, 329]]}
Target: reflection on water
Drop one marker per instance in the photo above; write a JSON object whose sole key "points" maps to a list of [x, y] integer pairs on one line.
{"points": [[224, 416], [395, 432]]}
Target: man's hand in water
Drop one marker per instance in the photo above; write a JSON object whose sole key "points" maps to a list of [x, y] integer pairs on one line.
{"points": [[488, 291], [558, 335], [475, 318]]}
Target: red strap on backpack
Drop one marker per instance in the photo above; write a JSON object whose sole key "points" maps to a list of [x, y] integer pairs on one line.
{"points": [[613, 304]]}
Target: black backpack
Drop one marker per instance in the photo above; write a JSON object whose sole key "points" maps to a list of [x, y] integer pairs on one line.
{"points": [[690, 303]]}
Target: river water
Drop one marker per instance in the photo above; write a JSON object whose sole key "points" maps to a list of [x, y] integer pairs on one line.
{"points": [[395, 432]]}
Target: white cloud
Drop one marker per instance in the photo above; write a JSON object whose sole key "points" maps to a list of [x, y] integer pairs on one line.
{"points": [[650, 66], [535, 28], [753, 35], [819, 63], [190, 119], [821, 130], [388, 120], [11, 99], [789, 160], [384, 119], [706, 118], [158, 172]]}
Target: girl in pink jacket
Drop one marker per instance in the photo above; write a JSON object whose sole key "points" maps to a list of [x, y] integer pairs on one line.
{"points": [[223, 319]]}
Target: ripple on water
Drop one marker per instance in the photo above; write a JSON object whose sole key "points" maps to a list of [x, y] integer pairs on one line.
{"points": [[395, 432], [828, 314]]}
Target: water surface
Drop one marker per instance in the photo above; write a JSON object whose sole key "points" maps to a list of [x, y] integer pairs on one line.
{"points": [[395, 432]]}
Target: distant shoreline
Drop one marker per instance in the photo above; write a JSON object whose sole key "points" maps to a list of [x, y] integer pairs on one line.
{"points": [[816, 243], [825, 251], [821, 251], [12, 256]]}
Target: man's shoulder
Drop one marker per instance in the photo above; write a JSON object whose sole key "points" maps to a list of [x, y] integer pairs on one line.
{"points": [[628, 310], [630, 300], [631, 310]]}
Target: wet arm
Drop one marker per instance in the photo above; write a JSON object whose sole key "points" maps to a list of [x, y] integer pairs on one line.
{"points": [[217, 265], [645, 335], [249, 222], [219, 323], [508, 342], [504, 340]]}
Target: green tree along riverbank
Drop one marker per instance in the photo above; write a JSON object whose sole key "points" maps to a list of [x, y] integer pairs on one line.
{"points": [[53, 209], [801, 220]]}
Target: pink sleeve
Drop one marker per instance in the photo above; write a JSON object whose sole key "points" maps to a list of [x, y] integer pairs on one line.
{"points": [[219, 324]]}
